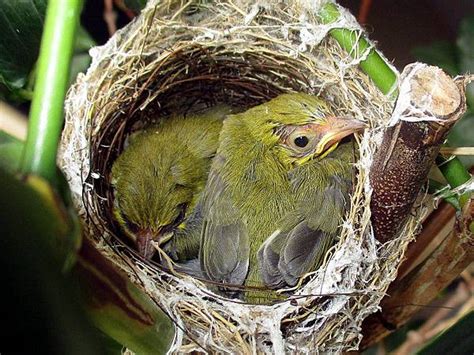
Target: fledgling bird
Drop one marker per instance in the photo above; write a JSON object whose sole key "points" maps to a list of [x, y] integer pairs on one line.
{"points": [[158, 180], [276, 194]]}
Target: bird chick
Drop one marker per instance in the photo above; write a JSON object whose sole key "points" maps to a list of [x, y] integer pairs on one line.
{"points": [[276, 194], [158, 178]]}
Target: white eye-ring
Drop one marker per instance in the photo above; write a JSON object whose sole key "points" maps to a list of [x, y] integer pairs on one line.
{"points": [[301, 140]]}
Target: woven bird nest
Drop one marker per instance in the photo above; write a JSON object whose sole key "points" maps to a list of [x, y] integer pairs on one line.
{"points": [[177, 56]]}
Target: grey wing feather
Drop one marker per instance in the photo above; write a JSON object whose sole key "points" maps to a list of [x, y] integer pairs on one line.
{"points": [[306, 235], [224, 252], [303, 252], [287, 256], [190, 267], [268, 259]]}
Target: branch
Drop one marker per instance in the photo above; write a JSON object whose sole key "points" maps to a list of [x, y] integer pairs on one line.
{"points": [[423, 284], [430, 103], [434, 228]]}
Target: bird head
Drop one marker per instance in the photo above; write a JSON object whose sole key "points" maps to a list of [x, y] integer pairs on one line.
{"points": [[153, 192], [299, 127], [147, 216]]}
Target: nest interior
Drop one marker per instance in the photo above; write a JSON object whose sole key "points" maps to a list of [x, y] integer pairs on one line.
{"points": [[179, 57]]}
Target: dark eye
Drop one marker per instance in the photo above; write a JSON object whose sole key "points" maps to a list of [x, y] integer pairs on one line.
{"points": [[301, 141]]}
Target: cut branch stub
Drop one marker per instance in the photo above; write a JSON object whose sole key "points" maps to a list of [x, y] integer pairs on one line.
{"points": [[429, 104]]}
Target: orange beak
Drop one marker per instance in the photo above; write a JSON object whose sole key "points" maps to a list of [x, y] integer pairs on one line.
{"points": [[334, 131]]}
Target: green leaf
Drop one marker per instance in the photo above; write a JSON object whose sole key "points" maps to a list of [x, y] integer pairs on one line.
{"points": [[39, 301], [465, 44], [81, 58], [456, 340], [10, 152], [21, 24], [119, 308], [442, 54], [135, 5]]}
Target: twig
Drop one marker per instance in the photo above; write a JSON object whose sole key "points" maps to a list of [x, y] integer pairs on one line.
{"points": [[364, 11], [457, 150], [423, 284], [110, 16]]}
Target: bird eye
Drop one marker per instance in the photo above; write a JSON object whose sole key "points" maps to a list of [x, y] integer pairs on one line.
{"points": [[301, 141]]}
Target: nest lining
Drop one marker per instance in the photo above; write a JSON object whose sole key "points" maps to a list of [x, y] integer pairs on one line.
{"points": [[178, 57]]}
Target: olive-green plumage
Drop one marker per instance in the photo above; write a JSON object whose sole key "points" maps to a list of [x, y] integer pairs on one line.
{"points": [[158, 179], [276, 194]]}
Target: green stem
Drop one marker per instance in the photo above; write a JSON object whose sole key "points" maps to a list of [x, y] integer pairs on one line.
{"points": [[385, 79], [455, 174], [46, 115], [356, 45]]}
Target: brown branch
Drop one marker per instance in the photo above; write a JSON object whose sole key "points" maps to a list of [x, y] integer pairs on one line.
{"points": [[364, 11], [457, 150], [13, 122], [123, 7], [429, 104], [110, 16], [434, 228], [424, 283], [439, 320]]}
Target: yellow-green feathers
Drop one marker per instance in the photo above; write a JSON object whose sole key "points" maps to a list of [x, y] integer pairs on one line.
{"points": [[159, 176], [276, 194]]}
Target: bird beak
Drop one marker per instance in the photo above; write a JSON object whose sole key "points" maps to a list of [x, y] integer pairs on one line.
{"points": [[334, 131], [144, 243], [145, 237]]}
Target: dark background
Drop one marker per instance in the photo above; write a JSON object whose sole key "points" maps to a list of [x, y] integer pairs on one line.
{"points": [[401, 25]]}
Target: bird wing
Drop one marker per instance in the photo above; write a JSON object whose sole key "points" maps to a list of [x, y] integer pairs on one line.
{"points": [[286, 257], [224, 252], [307, 233]]}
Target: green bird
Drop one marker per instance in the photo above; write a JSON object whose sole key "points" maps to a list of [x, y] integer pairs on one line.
{"points": [[158, 179], [276, 194]]}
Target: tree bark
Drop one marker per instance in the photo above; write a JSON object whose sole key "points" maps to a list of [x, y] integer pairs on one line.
{"points": [[429, 104]]}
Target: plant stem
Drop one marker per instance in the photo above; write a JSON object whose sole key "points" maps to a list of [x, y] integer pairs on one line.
{"points": [[455, 174], [385, 79], [353, 42], [46, 115]]}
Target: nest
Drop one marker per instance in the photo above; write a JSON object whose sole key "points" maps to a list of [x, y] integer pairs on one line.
{"points": [[178, 56]]}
